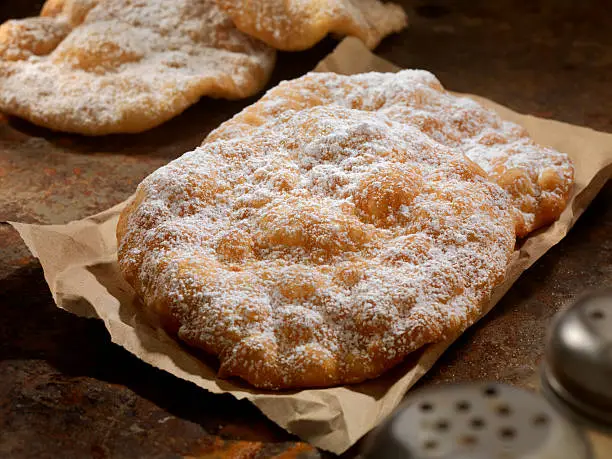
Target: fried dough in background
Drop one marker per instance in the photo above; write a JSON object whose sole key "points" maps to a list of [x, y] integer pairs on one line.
{"points": [[114, 66], [295, 25]]}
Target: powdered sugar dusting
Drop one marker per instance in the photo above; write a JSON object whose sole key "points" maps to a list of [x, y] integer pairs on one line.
{"points": [[313, 240], [538, 179], [294, 25], [98, 67]]}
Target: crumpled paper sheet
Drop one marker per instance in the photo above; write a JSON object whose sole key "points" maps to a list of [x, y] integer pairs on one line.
{"points": [[80, 265]]}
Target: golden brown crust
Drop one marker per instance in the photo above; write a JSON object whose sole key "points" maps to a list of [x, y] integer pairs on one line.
{"points": [[298, 25], [313, 240], [538, 179], [107, 66]]}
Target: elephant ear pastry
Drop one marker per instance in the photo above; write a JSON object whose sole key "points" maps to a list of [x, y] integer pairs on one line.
{"points": [[538, 179], [317, 238], [294, 25], [108, 66]]}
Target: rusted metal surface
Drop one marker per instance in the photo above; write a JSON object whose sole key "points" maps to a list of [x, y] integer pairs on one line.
{"points": [[67, 391]]}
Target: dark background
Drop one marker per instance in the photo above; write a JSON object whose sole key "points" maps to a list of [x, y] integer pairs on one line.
{"points": [[67, 391]]}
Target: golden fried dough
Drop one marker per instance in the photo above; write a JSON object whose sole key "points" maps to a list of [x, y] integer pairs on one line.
{"points": [[294, 25], [538, 179], [316, 238], [107, 66]]}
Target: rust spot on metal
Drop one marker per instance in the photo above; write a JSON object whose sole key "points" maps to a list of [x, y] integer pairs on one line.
{"points": [[228, 449], [23, 261], [296, 451]]}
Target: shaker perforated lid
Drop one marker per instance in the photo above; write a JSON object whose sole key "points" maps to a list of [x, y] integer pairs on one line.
{"points": [[476, 421], [578, 364]]}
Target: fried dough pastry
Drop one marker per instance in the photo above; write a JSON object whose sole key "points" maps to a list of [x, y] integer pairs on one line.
{"points": [[107, 66], [294, 25], [538, 179], [314, 240]]}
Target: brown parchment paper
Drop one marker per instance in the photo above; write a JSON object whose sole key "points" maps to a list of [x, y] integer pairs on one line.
{"points": [[80, 265]]}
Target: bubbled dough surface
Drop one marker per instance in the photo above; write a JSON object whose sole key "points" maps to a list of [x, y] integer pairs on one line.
{"points": [[294, 25], [313, 240], [538, 179], [108, 66]]}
